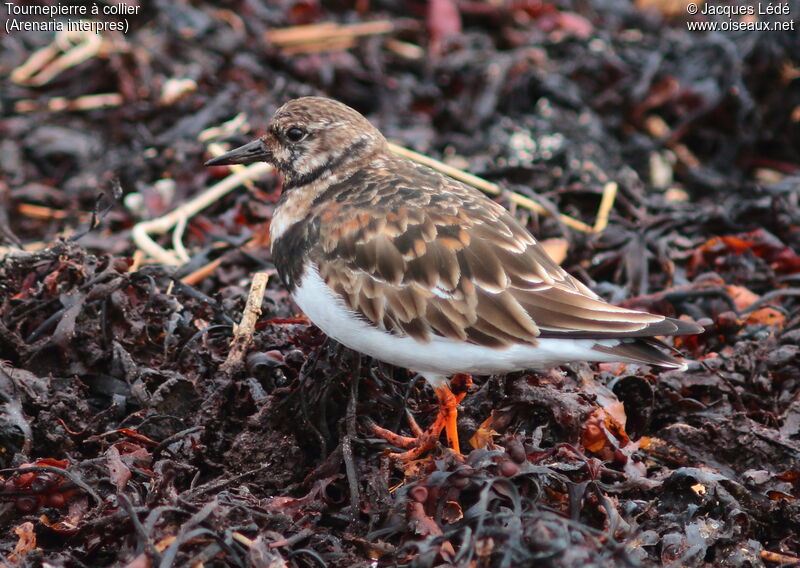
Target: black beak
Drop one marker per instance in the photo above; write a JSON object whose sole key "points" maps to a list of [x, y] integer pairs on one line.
{"points": [[254, 151]]}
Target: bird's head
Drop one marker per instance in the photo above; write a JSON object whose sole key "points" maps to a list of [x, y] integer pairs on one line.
{"points": [[307, 138]]}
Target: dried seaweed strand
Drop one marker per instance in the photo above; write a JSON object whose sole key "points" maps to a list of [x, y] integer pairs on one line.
{"points": [[141, 231], [68, 49]]}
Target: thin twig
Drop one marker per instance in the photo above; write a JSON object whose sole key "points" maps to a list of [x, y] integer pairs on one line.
{"points": [[59, 104], [243, 333], [202, 273], [335, 44], [350, 435], [242, 539], [405, 49], [317, 33], [237, 124], [606, 203], [138, 259]]}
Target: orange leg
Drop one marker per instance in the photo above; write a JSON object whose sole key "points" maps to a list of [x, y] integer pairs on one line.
{"points": [[448, 413], [445, 420]]}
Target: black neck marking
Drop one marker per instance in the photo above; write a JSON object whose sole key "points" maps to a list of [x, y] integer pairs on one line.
{"points": [[290, 251], [331, 164]]}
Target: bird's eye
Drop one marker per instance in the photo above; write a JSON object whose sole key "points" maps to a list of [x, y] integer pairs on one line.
{"points": [[295, 134]]}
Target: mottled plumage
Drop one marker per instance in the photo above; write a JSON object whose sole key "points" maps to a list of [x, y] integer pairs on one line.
{"points": [[415, 268]]}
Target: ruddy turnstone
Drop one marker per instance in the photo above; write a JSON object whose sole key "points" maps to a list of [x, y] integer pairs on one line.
{"points": [[412, 267]]}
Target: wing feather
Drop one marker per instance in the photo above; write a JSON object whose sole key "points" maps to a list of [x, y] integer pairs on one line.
{"points": [[439, 258]]}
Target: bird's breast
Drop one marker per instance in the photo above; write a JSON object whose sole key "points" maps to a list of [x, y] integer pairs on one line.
{"points": [[293, 231]]}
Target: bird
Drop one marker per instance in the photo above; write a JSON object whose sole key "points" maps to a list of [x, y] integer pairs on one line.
{"points": [[414, 268]]}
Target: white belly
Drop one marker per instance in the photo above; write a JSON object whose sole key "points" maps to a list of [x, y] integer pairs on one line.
{"points": [[439, 356]]}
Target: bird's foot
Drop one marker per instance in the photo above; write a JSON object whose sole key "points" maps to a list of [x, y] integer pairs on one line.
{"points": [[424, 440], [415, 446]]}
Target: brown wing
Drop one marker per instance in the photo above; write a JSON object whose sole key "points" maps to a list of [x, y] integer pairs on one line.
{"points": [[434, 256]]}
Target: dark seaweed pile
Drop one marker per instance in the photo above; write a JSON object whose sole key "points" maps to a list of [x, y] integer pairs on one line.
{"points": [[125, 441]]}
